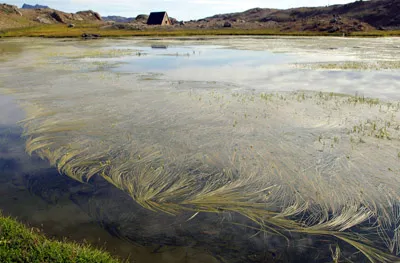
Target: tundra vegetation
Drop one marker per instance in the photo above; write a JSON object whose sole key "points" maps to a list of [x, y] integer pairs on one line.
{"points": [[19, 243], [360, 18], [62, 31]]}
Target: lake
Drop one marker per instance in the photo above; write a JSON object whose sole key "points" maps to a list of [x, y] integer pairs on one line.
{"points": [[222, 149]]}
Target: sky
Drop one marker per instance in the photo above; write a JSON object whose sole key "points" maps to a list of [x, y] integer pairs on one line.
{"points": [[179, 9]]}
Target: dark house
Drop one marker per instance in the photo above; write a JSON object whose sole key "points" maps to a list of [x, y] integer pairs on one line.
{"points": [[159, 18]]}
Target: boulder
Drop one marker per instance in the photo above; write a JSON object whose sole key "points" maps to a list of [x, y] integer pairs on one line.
{"points": [[76, 17], [9, 9], [58, 16], [265, 19], [97, 15], [68, 16], [90, 15], [142, 18], [71, 25], [333, 29], [15, 9], [90, 36], [43, 20], [227, 24]]}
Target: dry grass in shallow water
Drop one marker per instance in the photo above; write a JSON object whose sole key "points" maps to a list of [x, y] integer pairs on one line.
{"points": [[281, 166], [353, 65], [310, 163]]}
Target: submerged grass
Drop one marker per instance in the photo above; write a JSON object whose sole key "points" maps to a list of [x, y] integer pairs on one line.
{"points": [[143, 174], [267, 166], [353, 65], [21, 244]]}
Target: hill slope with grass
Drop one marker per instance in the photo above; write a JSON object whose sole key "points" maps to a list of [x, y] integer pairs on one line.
{"points": [[356, 16], [360, 18]]}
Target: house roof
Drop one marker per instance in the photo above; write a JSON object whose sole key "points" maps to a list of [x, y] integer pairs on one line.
{"points": [[156, 18]]}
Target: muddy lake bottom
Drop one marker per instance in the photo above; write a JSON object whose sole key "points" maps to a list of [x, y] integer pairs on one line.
{"points": [[205, 150]]}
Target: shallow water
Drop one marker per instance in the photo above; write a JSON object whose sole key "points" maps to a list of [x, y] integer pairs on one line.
{"points": [[36, 194], [221, 132]]}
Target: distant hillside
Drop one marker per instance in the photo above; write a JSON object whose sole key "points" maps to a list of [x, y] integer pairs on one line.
{"points": [[359, 16], [356, 16], [118, 19], [14, 17], [26, 6]]}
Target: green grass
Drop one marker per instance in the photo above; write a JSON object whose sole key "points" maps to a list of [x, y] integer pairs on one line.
{"points": [[21, 244], [377, 33], [60, 30]]}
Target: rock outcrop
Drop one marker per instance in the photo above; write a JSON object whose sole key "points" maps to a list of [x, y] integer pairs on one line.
{"points": [[59, 16], [142, 19], [44, 20], [227, 24], [356, 16], [9, 16], [338, 19], [9, 9], [89, 15]]}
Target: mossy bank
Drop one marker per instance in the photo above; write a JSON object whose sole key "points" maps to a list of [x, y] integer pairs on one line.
{"points": [[21, 244]]}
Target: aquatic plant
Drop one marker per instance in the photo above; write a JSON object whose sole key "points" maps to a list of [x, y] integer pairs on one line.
{"points": [[175, 150], [353, 65], [165, 177], [93, 53]]}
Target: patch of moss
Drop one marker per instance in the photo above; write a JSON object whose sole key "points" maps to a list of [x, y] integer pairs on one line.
{"points": [[21, 244]]}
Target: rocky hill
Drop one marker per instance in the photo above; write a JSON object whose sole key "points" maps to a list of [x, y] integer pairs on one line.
{"points": [[13, 17], [26, 6], [356, 16]]}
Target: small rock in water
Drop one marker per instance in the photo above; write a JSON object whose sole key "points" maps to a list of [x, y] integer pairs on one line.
{"points": [[90, 36]]}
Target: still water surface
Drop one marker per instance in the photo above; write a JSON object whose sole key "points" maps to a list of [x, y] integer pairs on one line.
{"points": [[215, 114]]}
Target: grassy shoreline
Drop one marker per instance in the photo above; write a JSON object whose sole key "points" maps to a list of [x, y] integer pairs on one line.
{"points": [[21, 244], [62, 31]]}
